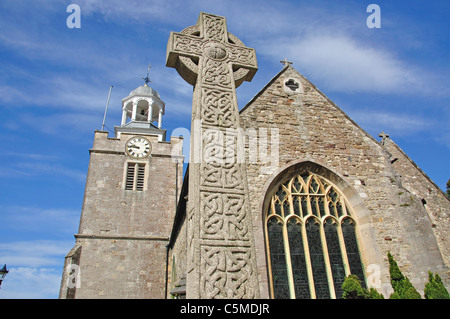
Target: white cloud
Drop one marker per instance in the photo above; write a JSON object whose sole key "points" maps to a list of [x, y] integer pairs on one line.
{"points": [[35, 268], [38, 164], [393, 123], [46, 222], [59, 170], [342, 64], [322, 43], [117, 11], [34, 156], [31, 283], [36, 253], [63, 124], [55, 91]]}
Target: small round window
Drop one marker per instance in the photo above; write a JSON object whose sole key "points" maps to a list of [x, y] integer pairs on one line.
{"points": [[292, 85]]}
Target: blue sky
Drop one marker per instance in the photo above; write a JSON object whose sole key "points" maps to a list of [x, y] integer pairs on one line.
{"points": [[54, 84]]}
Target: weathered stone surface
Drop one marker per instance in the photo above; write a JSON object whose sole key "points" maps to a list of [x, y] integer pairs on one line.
{"points": [[123, 234], [389, 211], [221, 259]]}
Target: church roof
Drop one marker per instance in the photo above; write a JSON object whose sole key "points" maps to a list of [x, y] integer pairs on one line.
{"points": [[265, 88], [290, 67], [144, 90]]}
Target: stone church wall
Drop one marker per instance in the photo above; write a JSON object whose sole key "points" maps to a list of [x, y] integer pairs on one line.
{"points": [[177, 262], [313, 130], [436, 204]]}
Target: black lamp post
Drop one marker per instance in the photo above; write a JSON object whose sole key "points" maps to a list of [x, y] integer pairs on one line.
{"points": [[3, 273]]}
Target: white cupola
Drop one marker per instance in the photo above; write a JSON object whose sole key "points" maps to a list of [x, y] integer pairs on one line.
{"points": [[142, 112]]}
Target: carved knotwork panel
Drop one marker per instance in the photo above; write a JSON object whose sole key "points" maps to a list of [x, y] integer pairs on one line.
{"points": [[225, 175], [191, 225], [242, 55], [214, 27], [216, 73], [187, 44], [222, 216], [218, 108], [221, 146], [226, 272]]}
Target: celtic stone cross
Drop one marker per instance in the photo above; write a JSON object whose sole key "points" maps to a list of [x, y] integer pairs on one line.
{"points": [[221, 259]]}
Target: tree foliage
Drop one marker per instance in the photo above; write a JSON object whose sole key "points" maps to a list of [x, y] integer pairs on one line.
{"points": [[403, 289], [448, 188], [434, 288], [353, 289]]}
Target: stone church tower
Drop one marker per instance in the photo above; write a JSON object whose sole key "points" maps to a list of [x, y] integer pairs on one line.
{"points": [[128, 207], [283, 198]]}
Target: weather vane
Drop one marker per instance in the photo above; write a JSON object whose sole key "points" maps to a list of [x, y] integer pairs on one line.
{"points": [[147, 79]]}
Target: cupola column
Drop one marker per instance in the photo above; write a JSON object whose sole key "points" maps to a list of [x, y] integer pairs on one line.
{"points": [[150, 112], [160, 118], [124, 115], [133, 114]]}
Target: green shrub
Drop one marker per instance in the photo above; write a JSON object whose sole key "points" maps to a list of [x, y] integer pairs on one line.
{"points": [[403, 289], [374, 294], [352, 289], [434, 288]]}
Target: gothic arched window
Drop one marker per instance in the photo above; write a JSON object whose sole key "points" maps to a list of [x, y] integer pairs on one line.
{"points": [[311, 239]]}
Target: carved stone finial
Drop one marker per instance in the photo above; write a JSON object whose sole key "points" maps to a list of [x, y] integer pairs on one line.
{"points": [[285, 62]]}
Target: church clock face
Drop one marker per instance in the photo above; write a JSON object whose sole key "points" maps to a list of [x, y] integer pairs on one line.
{"points": [[138, 147]]}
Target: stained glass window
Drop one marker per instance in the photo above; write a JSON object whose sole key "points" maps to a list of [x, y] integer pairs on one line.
{"points": [[351, 245], [286, 208], [317, 259], [339, 209], [335, 256], [277, 207], [297, 185], [295, 202], [305, 252], [278, 259], [314, 209], [304, 206], [314, 187], [321, 204], [299, 272]]}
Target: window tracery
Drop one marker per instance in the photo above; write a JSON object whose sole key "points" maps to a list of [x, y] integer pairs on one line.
{"points": [[311, 239]]}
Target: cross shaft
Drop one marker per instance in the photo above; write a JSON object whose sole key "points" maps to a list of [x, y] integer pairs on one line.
{"points": [[221, 261]]}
